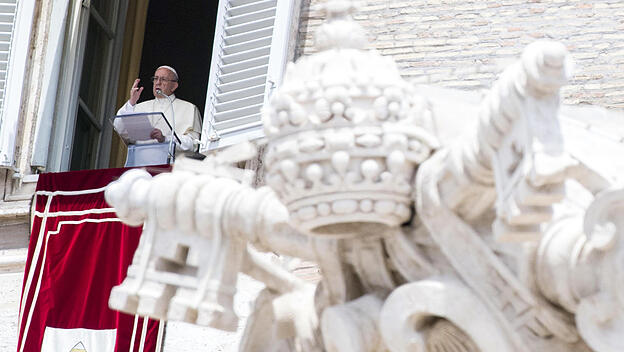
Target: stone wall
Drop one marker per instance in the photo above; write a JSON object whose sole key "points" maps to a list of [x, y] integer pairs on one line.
{"points": [[465, 44]]}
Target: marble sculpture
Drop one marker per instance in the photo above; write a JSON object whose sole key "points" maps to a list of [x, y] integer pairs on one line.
{"points": [[498, 240]]}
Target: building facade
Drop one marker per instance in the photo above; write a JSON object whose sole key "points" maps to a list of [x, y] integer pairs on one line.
{"points": [[69, 64]]}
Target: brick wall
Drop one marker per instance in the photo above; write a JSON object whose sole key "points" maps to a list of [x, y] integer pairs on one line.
{"points": [[466, 43]]}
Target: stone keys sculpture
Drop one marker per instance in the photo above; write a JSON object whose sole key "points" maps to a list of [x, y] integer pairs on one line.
{"points": [[515, 162], [421, 247]]}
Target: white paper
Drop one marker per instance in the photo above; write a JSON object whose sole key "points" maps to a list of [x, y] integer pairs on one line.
{"points": [[134, 127]]}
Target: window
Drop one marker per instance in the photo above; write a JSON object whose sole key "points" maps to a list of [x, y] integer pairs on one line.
{"points": [[249, 53], [94, 82], [87, 87]]}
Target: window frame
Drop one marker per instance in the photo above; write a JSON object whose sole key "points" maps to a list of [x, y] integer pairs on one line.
{"points": [[63, 130]]}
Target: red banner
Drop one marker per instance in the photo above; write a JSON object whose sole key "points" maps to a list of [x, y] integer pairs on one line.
{"points": [[78, 251]]}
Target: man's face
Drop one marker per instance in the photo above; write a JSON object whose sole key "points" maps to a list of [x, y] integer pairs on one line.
{"points": [[165, 81]]}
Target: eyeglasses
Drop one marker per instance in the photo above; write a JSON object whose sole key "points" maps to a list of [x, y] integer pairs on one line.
{"points": [[162, 79]]}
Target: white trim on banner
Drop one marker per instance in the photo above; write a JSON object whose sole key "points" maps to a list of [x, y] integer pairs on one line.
{"points": [[44, 238]]}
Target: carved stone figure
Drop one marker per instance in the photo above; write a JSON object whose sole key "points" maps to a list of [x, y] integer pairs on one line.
{"points": [[501, 240]]}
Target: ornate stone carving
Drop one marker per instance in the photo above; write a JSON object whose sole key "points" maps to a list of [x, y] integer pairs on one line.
{"points": [[579, 267], [499, 241], [346, 134], [438, 313]]}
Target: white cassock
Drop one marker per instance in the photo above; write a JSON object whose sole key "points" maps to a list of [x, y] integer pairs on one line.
{"points": [[188, 122]]}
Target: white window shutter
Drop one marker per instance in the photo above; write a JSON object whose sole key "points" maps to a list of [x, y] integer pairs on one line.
{"points": [[248, 58], [49, 88], [15, 26]]}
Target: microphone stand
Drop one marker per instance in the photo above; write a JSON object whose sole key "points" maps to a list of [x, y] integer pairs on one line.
{"points": [[171, 143]]}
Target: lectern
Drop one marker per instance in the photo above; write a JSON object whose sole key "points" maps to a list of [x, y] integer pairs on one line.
{"points": [[135, 129]]}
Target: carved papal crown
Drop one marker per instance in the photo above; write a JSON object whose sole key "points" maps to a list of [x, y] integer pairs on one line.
{"points": [[346, 133]]}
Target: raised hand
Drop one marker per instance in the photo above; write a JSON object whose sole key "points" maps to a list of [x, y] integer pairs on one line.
{"points": [[135, 92]]}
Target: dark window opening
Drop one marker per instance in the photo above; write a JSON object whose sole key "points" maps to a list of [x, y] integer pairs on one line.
{"points": [[179, 34]]}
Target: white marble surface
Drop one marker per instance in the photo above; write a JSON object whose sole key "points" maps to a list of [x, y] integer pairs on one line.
{"points": [[187, 337]]}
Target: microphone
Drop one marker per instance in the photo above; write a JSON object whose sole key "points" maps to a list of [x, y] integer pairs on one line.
{"points": [[171, 144]]}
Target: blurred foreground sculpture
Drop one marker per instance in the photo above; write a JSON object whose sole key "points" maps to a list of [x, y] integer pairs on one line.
{"points": [[502, 240]]}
